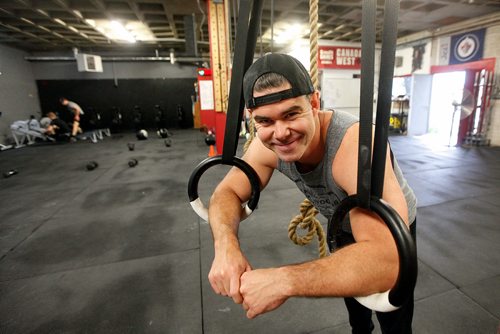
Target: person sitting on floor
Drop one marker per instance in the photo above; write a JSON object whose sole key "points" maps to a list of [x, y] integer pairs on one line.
{"points": [[57, 128], [28, 131], [34, 125]]}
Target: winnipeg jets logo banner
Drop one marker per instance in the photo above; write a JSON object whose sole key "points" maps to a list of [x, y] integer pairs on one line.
{"points": [[467, 47]]}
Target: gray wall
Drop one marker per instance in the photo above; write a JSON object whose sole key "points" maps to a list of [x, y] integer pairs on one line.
{"points": [[18, 91], [111, 70]]}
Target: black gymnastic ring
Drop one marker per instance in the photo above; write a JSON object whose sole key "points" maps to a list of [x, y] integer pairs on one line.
{"points": [[218, 160], [408, 267]]}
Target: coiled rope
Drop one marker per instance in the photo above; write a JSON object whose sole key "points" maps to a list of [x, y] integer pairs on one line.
{"points": [[307, 221]]}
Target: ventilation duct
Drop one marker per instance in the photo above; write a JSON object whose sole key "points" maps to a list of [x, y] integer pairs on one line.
{"points": [[190, 37]]}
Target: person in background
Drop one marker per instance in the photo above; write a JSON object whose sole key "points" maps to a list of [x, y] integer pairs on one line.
{"points": [[57, 128], [77, 113]]}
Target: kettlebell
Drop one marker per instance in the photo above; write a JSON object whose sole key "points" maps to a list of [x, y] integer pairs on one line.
{"points": [[132, 162], [168, 142], [210, 140], [92, 165], [131, 146], [10, 173]]}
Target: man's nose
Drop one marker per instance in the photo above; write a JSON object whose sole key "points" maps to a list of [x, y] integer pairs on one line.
{"points": [[281, 130]]}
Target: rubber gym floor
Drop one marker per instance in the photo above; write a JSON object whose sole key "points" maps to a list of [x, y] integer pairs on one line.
{"points": [[119, 249]]}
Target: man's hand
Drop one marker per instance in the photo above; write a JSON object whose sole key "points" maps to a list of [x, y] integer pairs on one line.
{"points": [[228, 266], [262, 291]]}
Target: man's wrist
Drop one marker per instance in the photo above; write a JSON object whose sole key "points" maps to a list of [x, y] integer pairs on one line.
{"points": [[226, 242], [285, 279]]}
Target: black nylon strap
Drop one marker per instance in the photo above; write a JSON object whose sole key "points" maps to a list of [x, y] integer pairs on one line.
{"points": [[244, 49], [366, 102], [384, 96], [270, 98], [371, 174]]}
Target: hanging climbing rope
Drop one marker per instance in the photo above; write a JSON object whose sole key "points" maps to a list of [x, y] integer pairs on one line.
{"points": [[307, 219]]}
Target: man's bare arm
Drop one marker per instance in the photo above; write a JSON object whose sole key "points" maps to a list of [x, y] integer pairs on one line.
{"points": [[225, 212], [368, 266]]}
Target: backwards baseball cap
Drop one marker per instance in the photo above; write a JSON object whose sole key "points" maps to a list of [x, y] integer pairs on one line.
{"points": [[283, 64]]}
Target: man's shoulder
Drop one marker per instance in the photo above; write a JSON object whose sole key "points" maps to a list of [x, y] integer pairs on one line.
{"points": [[259, 154]]}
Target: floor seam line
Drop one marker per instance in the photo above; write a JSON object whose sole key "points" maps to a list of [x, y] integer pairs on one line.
{"points": [[96, 265]]}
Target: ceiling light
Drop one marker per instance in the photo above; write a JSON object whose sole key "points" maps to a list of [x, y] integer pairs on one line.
{"points": [[140, 31], [118, 32], [41, 11], [61, 22], [130, 31], [73, 29], [284, 32], [27, 21], [90, 22], [294, 31], [43, 28], [77, 13]]}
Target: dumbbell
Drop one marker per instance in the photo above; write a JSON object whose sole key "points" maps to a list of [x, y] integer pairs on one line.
{"points": [[92, 165], [132, 162], [9, 173]]}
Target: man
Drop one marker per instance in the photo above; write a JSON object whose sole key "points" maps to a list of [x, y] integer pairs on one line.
{"points": [[318, 150], [57, 128], [77, 112]]}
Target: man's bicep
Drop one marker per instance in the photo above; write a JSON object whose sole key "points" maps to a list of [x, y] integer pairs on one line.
{"points": [[365, 224], [262, 160], [237, 182]]}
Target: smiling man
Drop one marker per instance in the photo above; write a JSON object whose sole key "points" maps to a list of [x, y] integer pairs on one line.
{"points": [[317, 150]]}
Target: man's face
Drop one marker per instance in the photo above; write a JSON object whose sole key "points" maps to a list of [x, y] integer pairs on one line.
{"points": [[286, 127]]}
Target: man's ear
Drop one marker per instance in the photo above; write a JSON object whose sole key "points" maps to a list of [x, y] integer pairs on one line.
{"points": [[315, 101]]}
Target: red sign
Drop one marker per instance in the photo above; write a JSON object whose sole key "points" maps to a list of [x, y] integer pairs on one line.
{"points": [[339, 57]]}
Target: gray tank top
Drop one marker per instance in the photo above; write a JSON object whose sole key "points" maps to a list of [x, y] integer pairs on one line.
{"points": [[318, 185]]}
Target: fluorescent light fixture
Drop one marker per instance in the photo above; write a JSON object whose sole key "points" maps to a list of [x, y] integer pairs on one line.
{"points": [[61, 22], [294, 31], [77, 13], [285, 32], [118, 32], [90, 22], [27, 21], [43, 28], [73, 29], [41, 11], [130, 31], [140, 31]]}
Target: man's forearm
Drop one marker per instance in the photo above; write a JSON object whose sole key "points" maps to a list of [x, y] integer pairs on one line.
{"points": [[224, 217], [359, 269]]}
